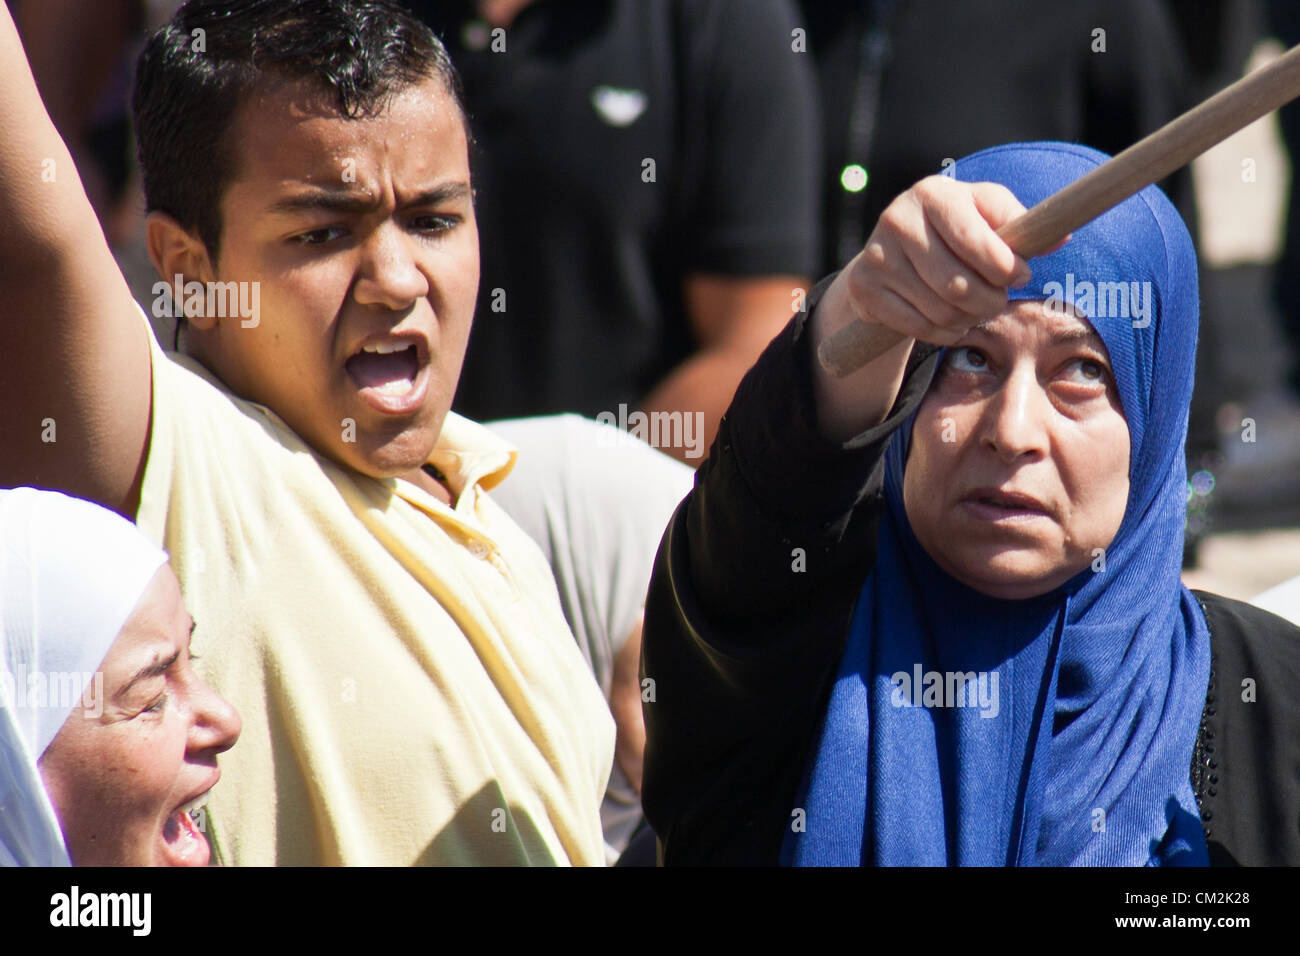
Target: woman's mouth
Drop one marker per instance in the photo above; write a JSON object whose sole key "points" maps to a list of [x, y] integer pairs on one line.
{"points": [[992, 505], [183, 842]]}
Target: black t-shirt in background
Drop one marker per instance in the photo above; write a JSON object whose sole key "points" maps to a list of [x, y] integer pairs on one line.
{"points": [[589, 258], [961, 77]]}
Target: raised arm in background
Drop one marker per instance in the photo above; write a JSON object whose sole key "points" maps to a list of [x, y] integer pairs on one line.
{"points": [[76, 387]]}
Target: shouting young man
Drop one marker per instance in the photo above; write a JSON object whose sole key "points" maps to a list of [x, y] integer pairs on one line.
{"points": [[394, 643]]}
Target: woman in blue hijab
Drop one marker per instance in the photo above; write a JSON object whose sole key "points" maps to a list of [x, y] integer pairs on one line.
{"points": [[1021, 676], [1104, 676]]}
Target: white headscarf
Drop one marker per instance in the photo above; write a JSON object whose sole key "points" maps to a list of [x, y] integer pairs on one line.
{"points": [[71, 573]]}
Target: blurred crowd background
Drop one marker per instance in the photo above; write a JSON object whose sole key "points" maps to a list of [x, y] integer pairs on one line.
{"points": [[657, 181]]}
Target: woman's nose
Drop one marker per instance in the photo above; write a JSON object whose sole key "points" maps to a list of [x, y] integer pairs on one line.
{"points": [[388, 274], [216, 724], [1015, 421]]}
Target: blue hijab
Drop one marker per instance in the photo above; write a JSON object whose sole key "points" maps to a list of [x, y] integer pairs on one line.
{"points": [[1074, 742]]}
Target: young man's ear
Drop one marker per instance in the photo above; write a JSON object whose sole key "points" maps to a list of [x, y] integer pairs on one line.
{"points": [[175, 251]]}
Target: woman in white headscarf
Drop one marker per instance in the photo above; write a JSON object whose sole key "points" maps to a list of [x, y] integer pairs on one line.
{"points": [[108, 739]]}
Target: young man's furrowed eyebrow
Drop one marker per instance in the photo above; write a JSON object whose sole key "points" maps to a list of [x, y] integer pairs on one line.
{"points": [[350, 201]]}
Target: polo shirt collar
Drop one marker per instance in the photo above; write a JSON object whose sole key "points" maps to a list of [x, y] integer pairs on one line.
{"points": [[467, 453]]}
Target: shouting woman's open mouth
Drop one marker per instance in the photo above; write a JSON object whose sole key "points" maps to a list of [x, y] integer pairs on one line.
{"points": [[183, 842]]}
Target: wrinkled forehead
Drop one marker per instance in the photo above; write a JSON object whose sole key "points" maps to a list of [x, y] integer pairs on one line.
{"points": [[292, 131], [1041, 322]]}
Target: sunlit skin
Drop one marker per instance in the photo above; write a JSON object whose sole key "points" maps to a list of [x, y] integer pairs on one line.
{"points": [[118, 780], [359, 231], [1029, 404]]}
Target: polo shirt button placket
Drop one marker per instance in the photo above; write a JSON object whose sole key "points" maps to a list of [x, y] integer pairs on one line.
{"points": [[478, 549]]}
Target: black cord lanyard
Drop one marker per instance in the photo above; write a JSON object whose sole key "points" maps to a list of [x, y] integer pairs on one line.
{"points": [[873, 56]]}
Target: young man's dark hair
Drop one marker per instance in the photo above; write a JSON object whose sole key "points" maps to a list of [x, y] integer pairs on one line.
{"points": [[195, 72]]}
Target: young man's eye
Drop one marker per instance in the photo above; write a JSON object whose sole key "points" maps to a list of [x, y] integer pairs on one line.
{"points": [[318, 237], [439, 223], [967, 360]]}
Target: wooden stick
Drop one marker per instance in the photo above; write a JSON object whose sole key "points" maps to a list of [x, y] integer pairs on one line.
{"points": [[1147, 161]]}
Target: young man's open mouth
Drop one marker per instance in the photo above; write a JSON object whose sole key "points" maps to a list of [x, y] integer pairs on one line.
{"points": [[391, 372]]}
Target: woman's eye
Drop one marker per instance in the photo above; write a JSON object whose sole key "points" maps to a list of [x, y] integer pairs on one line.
{"points": [[1087, 371], [967, 360], [319, 237]]}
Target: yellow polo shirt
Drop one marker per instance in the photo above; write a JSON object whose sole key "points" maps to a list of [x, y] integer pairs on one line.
{"points": [[410, 691]]}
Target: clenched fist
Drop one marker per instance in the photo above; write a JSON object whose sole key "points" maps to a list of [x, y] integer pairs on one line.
{"points": [[933, 268]]}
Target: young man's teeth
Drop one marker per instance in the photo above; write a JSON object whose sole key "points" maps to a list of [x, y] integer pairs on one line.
{"points": [[385, 348], [396, 387]]}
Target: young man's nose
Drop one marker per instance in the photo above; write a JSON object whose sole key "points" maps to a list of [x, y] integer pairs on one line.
{"points": [[1015, 420], [388, 274], [216, 725]]}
